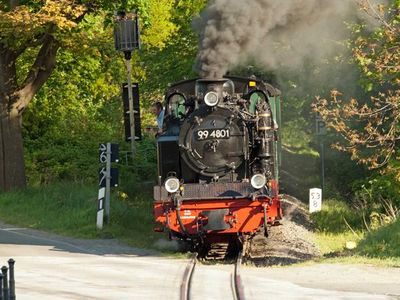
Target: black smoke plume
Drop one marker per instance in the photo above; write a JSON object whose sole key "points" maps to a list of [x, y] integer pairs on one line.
{"points": [[270, 33]]}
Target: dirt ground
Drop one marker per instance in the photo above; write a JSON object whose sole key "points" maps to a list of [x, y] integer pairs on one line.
{"points": [[288, 243]]}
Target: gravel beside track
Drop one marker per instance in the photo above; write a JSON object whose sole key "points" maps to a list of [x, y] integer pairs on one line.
{"points": [[288, 243]]}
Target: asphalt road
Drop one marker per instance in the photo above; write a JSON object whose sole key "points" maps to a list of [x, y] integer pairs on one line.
{"points": [[53, 267], [323, 281]]}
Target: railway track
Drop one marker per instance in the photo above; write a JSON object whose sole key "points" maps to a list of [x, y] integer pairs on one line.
{"points": [[212, 281]]}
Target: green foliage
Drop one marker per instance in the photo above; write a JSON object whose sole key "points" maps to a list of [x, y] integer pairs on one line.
{"points": [[70, 209], [161, 27], [372, 190], [383, 243], [62, 208], [379, 198], [49, 160], [80, 105], [369, 125], [334, 215], [175, 61], [293, 133], [132, 221], [72, 105], [376, 52], [298, 172], [76, 159], [78, 108], [140, 177]]}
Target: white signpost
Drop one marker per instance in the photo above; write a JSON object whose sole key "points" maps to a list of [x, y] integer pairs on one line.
{"points": [[108, 177], [315, 201]]}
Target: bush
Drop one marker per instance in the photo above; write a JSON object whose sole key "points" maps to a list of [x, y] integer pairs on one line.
{"points": [[379, 198], [70, 159], [334, 215], [384, 242]]}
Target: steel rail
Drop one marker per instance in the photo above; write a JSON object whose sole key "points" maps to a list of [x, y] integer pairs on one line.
{"points": [[187, 277], [238, 289], [236, 284]]}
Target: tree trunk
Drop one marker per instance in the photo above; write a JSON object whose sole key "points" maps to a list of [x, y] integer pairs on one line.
{"points": [[13, 101], [12, 167]]}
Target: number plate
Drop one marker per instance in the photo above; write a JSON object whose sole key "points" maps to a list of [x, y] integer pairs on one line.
{"points": [[212, 134]]}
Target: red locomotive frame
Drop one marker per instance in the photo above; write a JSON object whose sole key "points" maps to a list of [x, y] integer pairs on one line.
{"points": [[245, 216]]}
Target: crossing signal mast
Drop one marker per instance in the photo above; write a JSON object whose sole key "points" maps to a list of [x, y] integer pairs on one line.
{"points": [[127, 39]]}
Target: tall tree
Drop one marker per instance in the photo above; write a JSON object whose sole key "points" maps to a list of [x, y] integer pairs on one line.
{"points": [[371, 127], [42, 27]]}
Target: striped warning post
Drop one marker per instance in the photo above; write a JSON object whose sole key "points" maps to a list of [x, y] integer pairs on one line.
{"points": [[100, 210]]}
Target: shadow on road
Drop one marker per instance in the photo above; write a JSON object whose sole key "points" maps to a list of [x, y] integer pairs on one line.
{"points": [[11, 235]]}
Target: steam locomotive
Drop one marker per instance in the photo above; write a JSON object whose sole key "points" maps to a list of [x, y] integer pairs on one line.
{"points": [[218, 159]]}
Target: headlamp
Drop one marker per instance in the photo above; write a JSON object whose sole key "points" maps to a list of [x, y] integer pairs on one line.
{"points": [[258, 181], [211, 98], [172, 184]]}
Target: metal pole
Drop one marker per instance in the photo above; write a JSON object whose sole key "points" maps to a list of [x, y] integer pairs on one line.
{"points": [[322, 164], [5, 282], [11, 263], [108, 184], [131, 110], [1, 286]]}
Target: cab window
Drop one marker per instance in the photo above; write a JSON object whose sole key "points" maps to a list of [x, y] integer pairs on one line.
{"points": [[255, 98], [176, 106]]}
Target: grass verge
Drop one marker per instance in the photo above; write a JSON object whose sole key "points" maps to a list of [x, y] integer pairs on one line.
{"points": [[70, 209], [337, 224], [382, 243]]}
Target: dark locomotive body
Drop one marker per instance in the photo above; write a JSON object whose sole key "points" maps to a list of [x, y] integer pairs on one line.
{"points": [[218, 160]]}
